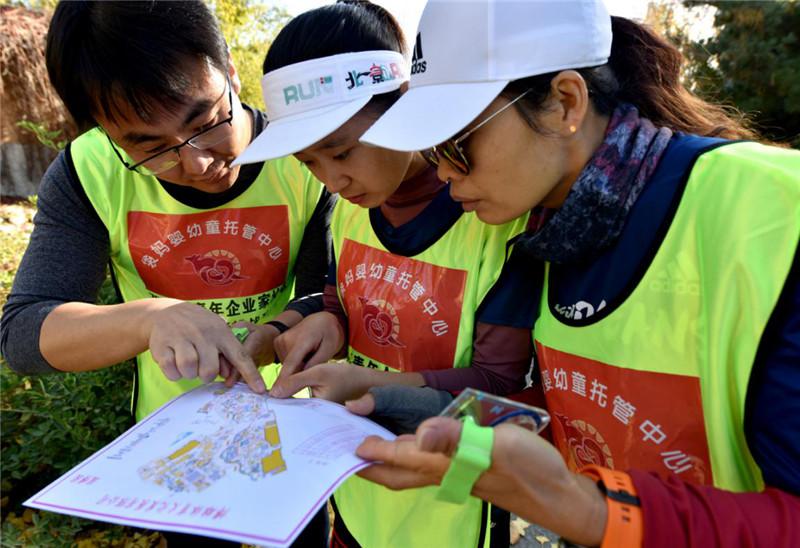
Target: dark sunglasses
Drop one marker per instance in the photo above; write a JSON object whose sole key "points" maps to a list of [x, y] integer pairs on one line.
{"points": [[451, 149]]}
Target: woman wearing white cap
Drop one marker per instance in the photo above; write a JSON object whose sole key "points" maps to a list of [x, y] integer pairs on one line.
{"points": [[668, 334], [411, 267]]}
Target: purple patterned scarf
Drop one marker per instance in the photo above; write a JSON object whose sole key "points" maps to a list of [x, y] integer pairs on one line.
{"points": [[594, 212]]}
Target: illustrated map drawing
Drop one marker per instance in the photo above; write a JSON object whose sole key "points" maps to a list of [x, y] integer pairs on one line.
{"points": [[219, 462]]}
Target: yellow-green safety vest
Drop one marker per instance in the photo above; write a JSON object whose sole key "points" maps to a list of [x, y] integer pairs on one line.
{"points": [[413, 314], [660, 381], [236, 259]]}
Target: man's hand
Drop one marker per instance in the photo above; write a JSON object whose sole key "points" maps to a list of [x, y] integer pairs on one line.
{"points": [[259, 345], [260, 342], [315, 340], [188, 341]]}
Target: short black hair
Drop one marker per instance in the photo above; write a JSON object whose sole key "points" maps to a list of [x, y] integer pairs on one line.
{"points": [[101, 55], [345, 27]]}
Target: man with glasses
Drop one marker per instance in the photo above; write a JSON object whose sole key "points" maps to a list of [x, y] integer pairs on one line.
{"points": [[205, 139], [194, 244]]}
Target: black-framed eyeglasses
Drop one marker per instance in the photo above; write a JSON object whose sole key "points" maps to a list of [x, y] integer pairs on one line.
{"points": [[202, 140], [451, 149]]}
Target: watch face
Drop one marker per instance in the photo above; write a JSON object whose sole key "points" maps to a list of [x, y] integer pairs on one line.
{"points": [[489, 410]]}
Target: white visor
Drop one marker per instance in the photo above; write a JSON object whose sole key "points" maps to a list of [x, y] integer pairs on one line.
{"points": [[307, 101]]}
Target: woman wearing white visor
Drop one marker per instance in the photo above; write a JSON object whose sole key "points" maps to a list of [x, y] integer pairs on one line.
{"points": [[668, 334], [413, 296]]}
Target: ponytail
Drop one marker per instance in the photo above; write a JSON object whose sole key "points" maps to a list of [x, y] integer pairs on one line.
{"points": [[648, 70]]}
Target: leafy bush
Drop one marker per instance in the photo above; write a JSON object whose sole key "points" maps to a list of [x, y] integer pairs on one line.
{"points": [[51, 423], [56, 531], [40, 529]]}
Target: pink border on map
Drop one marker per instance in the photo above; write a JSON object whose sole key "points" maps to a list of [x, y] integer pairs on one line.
{"points": [[136, 427]]}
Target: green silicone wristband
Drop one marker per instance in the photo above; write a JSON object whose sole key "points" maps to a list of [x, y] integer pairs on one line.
{"points": [[472, 458], [240, 333]]}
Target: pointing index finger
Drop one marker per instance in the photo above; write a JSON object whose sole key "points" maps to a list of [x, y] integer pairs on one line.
{"points": [[236, 355]]}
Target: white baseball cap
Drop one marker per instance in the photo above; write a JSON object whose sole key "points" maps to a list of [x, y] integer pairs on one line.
{"points": [[307, 101], [468, 51]]}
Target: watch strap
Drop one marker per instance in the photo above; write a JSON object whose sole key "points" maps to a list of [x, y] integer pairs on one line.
{"points": [[624, 525], [280, 326], [472, 457]]}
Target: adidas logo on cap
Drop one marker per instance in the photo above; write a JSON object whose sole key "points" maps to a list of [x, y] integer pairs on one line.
{"points": [[418, 65]]}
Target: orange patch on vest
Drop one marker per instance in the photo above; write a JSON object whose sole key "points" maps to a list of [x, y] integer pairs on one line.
{"points": [[211, 255], [402, 312], [623, 418]]}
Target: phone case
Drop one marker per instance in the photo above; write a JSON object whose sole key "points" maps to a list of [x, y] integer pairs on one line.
{"points": [[489, 410]]}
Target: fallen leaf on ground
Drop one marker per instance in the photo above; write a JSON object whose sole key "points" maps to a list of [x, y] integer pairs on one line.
{"points": [[518, 526]]}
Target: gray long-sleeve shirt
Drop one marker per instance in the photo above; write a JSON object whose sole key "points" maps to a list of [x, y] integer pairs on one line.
{"points": [[68, 253]]}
